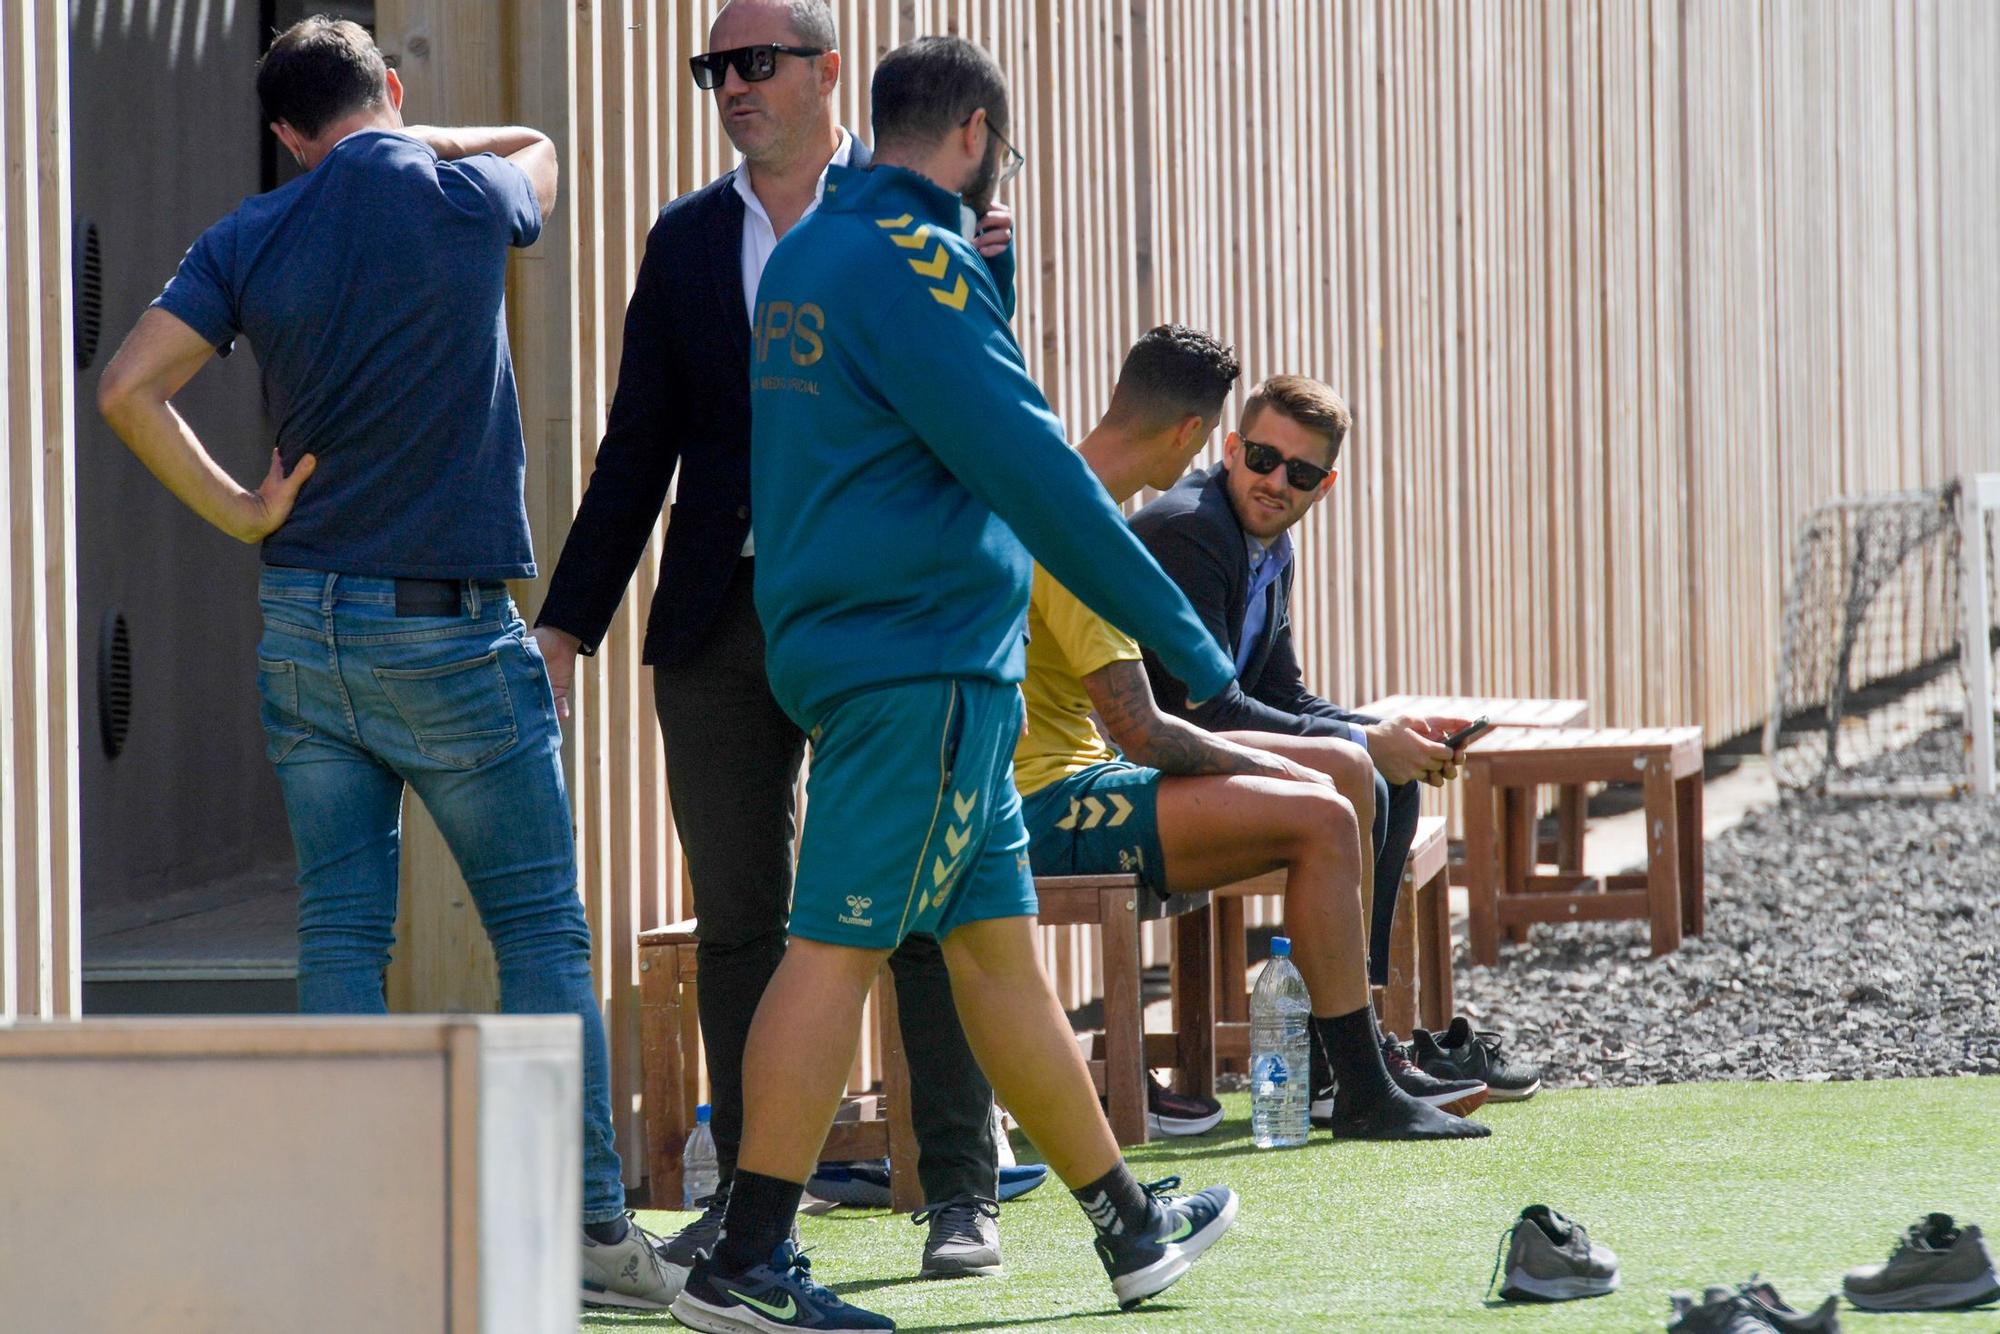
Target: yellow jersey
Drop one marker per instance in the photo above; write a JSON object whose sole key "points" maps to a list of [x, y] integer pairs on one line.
{"points": [[1067, 641]]}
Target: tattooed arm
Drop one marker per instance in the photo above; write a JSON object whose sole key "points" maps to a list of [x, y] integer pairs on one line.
{"points": [[1124, 701]]}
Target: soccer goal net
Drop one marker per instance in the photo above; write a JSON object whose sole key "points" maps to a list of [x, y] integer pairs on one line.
{"points": [[1886, 663]]}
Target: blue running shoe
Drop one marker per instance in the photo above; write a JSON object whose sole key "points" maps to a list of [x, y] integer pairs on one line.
{"points": [[776, 1296], [1183, 1227], [865, 1184]]}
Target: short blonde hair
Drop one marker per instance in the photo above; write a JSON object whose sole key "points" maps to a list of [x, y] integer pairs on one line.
{"points": [[1306, 401]]}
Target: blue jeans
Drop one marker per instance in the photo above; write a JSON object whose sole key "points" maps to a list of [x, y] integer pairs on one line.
{"points": [[357, 702]]}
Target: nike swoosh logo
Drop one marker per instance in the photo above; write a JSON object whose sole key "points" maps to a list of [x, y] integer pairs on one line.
{"points": [[1184, 1231], [784, 1312]]}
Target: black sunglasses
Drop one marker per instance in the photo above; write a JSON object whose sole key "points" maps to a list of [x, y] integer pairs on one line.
{"points": [[1299, 474], [754, 63], [1016, 159]]}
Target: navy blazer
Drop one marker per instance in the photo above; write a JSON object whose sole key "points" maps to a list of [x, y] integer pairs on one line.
{"points": [[683, 401], [1193, 532]]}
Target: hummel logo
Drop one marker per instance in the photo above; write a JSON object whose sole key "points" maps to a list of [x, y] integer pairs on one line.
{"points": [[1104, 1214], [856, 906], [784, 1311]]}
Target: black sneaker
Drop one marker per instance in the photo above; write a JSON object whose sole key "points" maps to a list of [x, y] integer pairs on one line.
{"points": [[698, 1238], [777, 1295], [1460, 1097], [1460, 1053], [1717, 1311], [964, 1238], [1171, 1113], [1552, 1259], [1826, 1320], [1183, 1227]]}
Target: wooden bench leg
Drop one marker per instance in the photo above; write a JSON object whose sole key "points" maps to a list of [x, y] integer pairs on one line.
{"points": [[1663, 869], [660, 1055], [1232, 967], [1124, 1044], [1694, 889], [1433, 913], [1571, 815], [1481, 867], [1518, 850], [1398, 1011], [906, 1188], [1194, 1002]]}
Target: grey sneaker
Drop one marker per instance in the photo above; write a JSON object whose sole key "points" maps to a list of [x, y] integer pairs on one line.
{"points": [[1936, 1266], [1719, 1311], [1779, 1315], [630, 1272], [964, 1238], [1552, 1259]]}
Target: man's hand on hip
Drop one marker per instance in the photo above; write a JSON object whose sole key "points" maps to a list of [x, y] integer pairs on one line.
{"points": [[559, 649], [1408, 749]]}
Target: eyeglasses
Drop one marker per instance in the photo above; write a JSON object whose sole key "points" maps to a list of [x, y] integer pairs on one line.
{"points": [[754, 63], [1016, 159], [1299, 474]]}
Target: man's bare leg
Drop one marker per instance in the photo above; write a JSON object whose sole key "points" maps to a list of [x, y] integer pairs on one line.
{"points": [[1353, 775]]}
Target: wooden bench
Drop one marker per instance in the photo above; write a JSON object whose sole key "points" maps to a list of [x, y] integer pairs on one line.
{"points": [[1420, 987], [670, 1044], [1508, 886]]}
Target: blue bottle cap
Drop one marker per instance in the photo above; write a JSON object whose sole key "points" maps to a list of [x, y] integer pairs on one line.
{"points": [[701, 1114], [1281, 947]]}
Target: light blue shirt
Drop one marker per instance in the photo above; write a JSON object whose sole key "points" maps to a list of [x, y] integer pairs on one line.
{"points": [[1266, 564]]}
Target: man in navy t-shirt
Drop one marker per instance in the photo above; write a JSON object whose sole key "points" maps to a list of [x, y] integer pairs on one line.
{"points": [[372, 289]]}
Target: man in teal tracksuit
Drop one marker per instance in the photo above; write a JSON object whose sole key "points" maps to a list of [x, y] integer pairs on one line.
{"points": [[900, 458]]}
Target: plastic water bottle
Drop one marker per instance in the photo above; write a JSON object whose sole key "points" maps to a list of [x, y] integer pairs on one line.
{"points": [[700, 1177], [1280, 1010]]}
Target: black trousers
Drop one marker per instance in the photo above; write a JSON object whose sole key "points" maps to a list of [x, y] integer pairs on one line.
{"points": [[732, 764], [1396, 810]]}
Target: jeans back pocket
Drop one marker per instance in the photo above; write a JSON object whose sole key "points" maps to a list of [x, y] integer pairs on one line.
{"points": [[278, 708], [461, 714]]}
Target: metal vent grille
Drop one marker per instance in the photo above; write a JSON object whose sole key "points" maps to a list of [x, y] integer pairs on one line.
{"points": [[87, 254], [114, 682]]}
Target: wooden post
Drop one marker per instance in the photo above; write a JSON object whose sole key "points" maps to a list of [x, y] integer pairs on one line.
{"points": [[1481, 870], [1194, 1000], [1663, 868], [1124, 1073]]}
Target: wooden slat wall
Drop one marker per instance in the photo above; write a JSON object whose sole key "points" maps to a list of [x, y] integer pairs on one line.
{"points": [[40, 940]]}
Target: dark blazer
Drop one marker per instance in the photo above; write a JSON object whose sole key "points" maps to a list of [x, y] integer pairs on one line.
{"points": [[1193, 532], [683, 400]]}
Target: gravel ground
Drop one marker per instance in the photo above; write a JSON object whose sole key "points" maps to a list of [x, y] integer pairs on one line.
{"points": [[1845, 940]]}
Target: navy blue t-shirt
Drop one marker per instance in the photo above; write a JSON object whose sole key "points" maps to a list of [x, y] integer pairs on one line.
{"points": [[372, 289]]}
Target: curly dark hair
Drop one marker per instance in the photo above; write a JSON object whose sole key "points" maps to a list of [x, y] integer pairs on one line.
{"points": [[1171, 373]]}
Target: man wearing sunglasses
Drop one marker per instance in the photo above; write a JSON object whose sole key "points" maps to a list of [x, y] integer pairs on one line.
{"points": [[1224, 535], [733, 757]]}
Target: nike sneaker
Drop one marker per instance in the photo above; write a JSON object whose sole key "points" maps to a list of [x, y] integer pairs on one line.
{"points": [[1183, 1226], [1171, 1113], [1780, 1315], [865, 1184], [1460, 1053], [964, 1237], [1552, 1259], [768, 1298], [629, 1273], [1936, 1266]]}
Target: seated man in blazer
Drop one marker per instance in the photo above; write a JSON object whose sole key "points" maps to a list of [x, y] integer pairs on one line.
{"points": [[1224, 535]]}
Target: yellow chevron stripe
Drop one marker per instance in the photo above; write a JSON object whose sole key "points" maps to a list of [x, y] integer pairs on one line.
{"points": [[955, 298], [915, 240], [934, 266], [895, 224]]}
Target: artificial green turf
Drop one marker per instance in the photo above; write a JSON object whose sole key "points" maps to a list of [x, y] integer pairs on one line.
{"points": [[1691, 1184]]}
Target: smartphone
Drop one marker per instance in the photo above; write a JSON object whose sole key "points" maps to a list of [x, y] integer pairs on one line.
{"points": [[1471, 732]]}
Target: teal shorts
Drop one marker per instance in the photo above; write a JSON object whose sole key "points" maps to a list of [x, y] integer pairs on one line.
{"points": [[1104, 820], [913, 826]]}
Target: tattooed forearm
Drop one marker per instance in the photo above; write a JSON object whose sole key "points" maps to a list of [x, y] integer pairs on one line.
{"points": [[1124, 700]]}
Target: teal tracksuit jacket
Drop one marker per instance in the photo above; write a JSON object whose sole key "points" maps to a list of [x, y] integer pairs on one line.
{"points": [[901, 457]]}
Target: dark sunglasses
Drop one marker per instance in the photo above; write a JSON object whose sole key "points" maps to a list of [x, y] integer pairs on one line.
{"points": [[754, 63], [1016, 159], [1299, 474]]}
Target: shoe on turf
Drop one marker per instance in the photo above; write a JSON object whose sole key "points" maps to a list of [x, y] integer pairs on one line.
{"points": [[699, 1237], [1717, 1311], [1395, 1117], [1460, 1097], [865, 1184], [1146, 1264], [1171, 1113], [630, 1273], [964, 1237], [1780, 1315], [1552, 1259], [774, 1296], [1935, 1266], [1460, 1053]]}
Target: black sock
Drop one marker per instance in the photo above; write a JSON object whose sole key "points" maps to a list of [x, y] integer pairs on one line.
{"points": [[608, 1233], [758, 1218], [1115, 1202], [1355, 1056]]}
